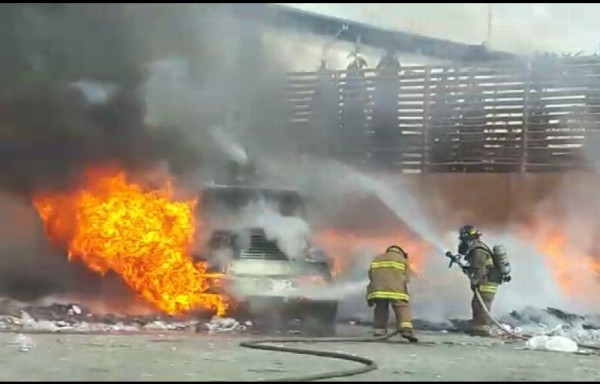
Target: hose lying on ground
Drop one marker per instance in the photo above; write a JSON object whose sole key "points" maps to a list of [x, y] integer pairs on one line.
{"points": [[368, 364]]}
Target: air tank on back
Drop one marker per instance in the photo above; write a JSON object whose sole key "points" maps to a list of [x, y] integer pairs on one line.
{"points": [[501, 259]]}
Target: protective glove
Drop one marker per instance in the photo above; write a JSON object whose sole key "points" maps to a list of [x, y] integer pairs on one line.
{"points": [[370, 303], [507, 278], [474, 285]]}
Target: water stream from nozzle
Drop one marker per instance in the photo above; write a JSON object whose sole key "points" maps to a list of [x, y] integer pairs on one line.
{"points": [[404, 206]]}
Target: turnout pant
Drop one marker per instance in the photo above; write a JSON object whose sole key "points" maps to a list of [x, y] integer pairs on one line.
{"points": [[481, 322], [401, 310]]}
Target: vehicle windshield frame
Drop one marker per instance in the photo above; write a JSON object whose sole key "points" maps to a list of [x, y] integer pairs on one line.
{"points": [[233, 200]]}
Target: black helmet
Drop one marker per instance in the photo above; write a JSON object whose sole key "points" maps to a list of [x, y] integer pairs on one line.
{"points": [[468, 232], [397, 249]]}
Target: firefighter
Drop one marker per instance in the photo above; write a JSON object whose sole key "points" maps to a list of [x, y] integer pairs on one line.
{"points": [[388, 279], [482, 274]]}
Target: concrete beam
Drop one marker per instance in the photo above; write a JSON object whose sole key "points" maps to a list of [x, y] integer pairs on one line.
{"points": [[398, 41]]}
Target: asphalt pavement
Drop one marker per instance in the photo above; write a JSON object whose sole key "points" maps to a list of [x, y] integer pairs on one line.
{"points": [[202, 357]]}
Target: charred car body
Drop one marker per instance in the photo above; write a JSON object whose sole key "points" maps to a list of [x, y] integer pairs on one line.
{"points": [[259, 240]]}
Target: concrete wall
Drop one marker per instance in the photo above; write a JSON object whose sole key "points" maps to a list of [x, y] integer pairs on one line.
{"points": [[499, 199]]}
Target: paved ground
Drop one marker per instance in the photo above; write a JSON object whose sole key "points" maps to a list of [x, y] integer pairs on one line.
{"points": [[193, 357]]}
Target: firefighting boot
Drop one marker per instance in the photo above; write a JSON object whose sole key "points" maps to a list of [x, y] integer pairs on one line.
{"points": [[480, 331], [377, 332], [409, 335]]}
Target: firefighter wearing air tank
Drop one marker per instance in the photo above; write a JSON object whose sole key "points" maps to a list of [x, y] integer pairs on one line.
{"points": [[487, 269], [388, 278]]}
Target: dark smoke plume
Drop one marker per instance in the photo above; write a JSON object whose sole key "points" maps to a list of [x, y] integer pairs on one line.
{"points": [[49, 130], [73, 95]]}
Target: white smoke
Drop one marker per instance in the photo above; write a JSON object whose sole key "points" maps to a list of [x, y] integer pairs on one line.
{"points": [[439, 293], [532, 280], [95, 92], [233, 150], [291, 233]]}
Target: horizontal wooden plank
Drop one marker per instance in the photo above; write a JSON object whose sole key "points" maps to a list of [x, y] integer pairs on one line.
{"points": [[461, 119]]}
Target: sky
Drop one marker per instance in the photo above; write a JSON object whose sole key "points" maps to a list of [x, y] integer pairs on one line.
{"points": [[520, 28]]}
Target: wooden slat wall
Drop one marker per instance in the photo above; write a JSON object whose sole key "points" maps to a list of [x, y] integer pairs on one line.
{"points": [[530, 118]]}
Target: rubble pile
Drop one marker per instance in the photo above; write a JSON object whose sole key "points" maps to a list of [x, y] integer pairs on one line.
{"points": [[528, 321], [19, 317], [555, 322]]}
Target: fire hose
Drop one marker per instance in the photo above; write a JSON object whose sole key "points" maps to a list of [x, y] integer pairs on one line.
{"points": [[368, 364]]}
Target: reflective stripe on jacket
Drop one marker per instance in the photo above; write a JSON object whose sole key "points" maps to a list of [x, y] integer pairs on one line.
{"points": [[488, 288], [388, 295], [388, 277]]}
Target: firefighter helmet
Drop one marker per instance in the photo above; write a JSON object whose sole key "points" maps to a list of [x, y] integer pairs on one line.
{"points": [[468, 232], [396, 249]]}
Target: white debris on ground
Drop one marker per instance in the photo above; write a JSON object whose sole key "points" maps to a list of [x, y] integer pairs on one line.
{"points": [[552, 343], [580, 335], [506, 331], [220, 324], [73, 318], [74, 310], [26, 323], [25, 343], [553, 322], [171, 326]]}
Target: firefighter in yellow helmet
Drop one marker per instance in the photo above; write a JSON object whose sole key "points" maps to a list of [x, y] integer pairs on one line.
{"points": [[388, 279], [483, 275]]}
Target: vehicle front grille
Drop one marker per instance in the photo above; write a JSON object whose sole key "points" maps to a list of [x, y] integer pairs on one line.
{"points": [[262, 248]]}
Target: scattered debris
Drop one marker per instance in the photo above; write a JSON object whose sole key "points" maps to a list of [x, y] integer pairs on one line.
{"points": [[25, 343], [219, 324], [506, 331], [555, 322], [552, 343], [172, 326], [21, 317]]}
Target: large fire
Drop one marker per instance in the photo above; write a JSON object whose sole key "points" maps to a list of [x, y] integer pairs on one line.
{"points": [[145, 237]]}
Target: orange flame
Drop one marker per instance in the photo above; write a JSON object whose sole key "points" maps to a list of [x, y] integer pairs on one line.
{"points": [[554, 246], [343, 247], [145, 237], [570, 263]]}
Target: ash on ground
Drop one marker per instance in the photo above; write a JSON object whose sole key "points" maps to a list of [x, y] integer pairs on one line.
{"points": [[527, 321], [555, 322], [22, 317]]}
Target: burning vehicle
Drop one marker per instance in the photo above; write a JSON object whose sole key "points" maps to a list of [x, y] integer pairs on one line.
{"points": [[259, 247]]}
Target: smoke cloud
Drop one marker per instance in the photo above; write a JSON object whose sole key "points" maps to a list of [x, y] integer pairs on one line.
{"points": [[192, 87], [545, 221], [117, 84]]}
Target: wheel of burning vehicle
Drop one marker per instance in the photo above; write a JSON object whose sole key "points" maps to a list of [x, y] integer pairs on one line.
{"points": [[268, 322], [316, 326], [319, 319]]}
